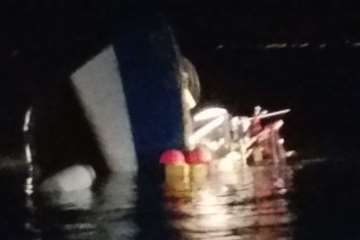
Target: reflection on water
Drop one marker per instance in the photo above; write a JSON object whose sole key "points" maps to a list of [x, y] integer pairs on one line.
{"points": [[250, 203], [106, 212]]}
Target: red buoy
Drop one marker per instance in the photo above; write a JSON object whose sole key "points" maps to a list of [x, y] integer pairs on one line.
{"points": [[172, 156], [198, 155]]}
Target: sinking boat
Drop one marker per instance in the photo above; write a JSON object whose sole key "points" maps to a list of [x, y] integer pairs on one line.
{"points": [[254, 142], [222, 143]]}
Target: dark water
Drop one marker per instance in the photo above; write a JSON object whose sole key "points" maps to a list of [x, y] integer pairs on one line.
{"points": [[263, 202]]}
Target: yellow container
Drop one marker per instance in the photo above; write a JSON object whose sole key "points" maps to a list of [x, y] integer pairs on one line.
{"points": [[176, 173], [199, 173], [177, 189], [177, 180]]}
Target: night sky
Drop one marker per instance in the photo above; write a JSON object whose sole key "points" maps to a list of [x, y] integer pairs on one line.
{"points": [[279, 54]]}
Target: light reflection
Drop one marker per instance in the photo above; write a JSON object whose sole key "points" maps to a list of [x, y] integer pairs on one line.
{"points": [[210, 113], [246, 203], [276, 45], [203, 131], [117, 199], [79, 200], [297, 45], [303, 45], [101, 213], [29, 187]]}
